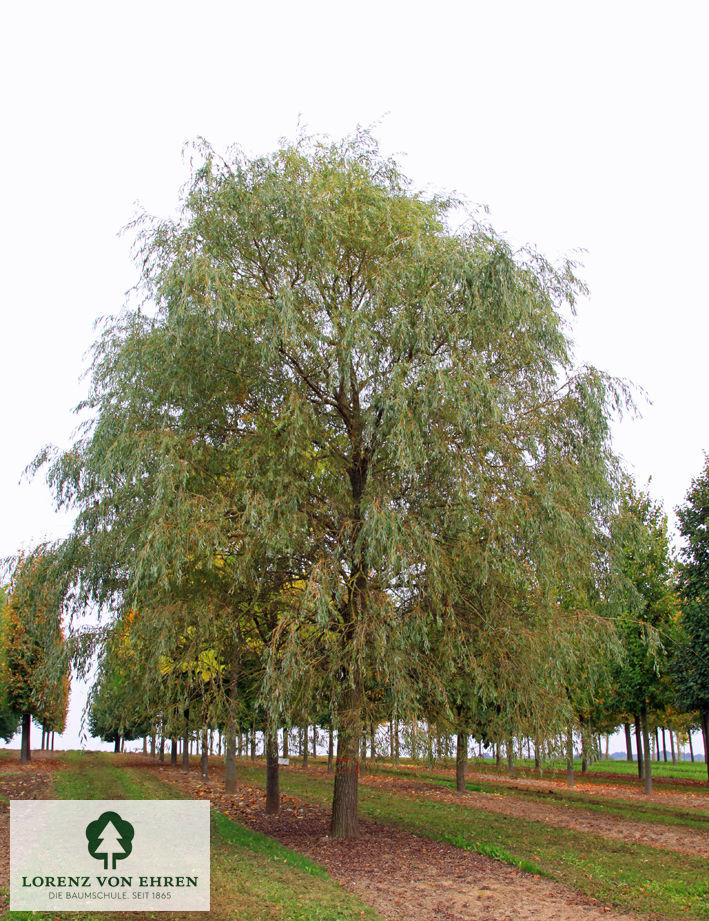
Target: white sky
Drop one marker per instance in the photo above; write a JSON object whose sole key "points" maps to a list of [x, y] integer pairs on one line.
{"points": [[578, 124]]}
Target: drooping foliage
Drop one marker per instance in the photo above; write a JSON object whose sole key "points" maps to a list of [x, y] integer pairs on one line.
{"points": [[338, 407]]}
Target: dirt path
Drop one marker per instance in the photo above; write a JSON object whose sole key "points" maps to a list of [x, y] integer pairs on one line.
{"points": [[406, 878], [668, 837], [31, 781]]}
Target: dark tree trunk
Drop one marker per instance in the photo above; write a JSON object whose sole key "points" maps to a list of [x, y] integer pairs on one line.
{"points": [[173, 751], [25, 747], [647, 760], [664, 744], [204, 760], [152, 745], [461, 761], [570, 757], [52, 740], [584, 746], [343, 823], [537, 762], [691, 747], [498, 756], [363, 756], [161, 752], [397, 745], [330, 751], [628, 743], [186, 743], [285, 742], [117, 744], [273, 796], [672, 748], [315, 740], [657, 743], [639, 746], [231, 729], [253, 742], [511, 757]]}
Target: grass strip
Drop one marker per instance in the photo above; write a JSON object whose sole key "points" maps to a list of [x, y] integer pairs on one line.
{"points": [[254, 878], [661, 883]]}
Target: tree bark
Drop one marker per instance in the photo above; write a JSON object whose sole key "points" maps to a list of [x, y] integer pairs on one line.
{"points": [[186, 742], [231, 729], [363, 755], [639, 746], [161, 751], [570, 757], [25, 747], [691, 747], [173, 751], [253, 742], [672, 748], [511, 757], [461, 761], [343, 823], [664, 744], [117, 744], [704, 719], [285, 742], [315, 740], [304, 745], [204, 760], [273, 794], [396, 740], [628, 743], [647, 760], [330, 752]]}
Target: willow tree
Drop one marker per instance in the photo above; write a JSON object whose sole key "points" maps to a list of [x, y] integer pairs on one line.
{"points": [[331, 385]]}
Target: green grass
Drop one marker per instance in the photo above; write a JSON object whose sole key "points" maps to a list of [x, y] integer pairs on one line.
{"points": [[629, 809], [254, 878], [633, 876]]}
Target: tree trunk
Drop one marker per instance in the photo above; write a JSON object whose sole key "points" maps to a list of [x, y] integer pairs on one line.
{"points": [[330, 751], [161, 751], [704, 719], [628, 743], [537, 762], [461, 761], [204, 760], [173, 751], [231, 729], [152, 746], [343, 823], [315, 740], [639, 746], [498, 756], [145, 745], [584, 746], [25, 748], [52, 740], [657, 743], [285, 742], [664, 744], [253, 742], [511, 757], [304, 744], [186, 742], [396, 740], [570, 757], [672, 748], [647, 761], [363, 755], [691, 747], [273, 795], [117, 744]]}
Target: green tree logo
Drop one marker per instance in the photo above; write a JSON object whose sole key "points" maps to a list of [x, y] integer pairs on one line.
{"points": [[110, 839]]}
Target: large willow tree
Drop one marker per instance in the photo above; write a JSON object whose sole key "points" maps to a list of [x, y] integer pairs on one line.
{"points": [[332, 397]]}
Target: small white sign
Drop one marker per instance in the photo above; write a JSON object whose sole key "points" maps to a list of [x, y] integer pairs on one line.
{"points": [[109, 855]]}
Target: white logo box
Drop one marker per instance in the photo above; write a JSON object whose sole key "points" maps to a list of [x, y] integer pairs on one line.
{"points": [[109, 855]]}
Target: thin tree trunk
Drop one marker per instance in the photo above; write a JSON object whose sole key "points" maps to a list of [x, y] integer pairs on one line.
{"points": [[672, 748], [52, 739], [152, 745], [498, 756], [343, 823], [315, 740], [691, 747], [273, 796], [117, 744], [664, 744], [330, 751], [231, 728], [628, 743], [173, 751], [253, 742], [570, 756], [704, 719], [25, 746], [537, 762], [461, 761], [657, 743], [304, 744], [511, 757], [639, 745], [285, 742], [396, 740], [647, 761], [186, 742], [363, 755], [584, 746], [161, 751], [204, 759]]}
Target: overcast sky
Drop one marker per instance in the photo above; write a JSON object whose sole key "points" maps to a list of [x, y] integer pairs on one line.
{"points": [[580, 125]]}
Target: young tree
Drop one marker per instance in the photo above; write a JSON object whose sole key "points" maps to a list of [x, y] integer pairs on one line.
{"points": [[37, 678], [692, 662], [332, 385], [645, 592]]}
